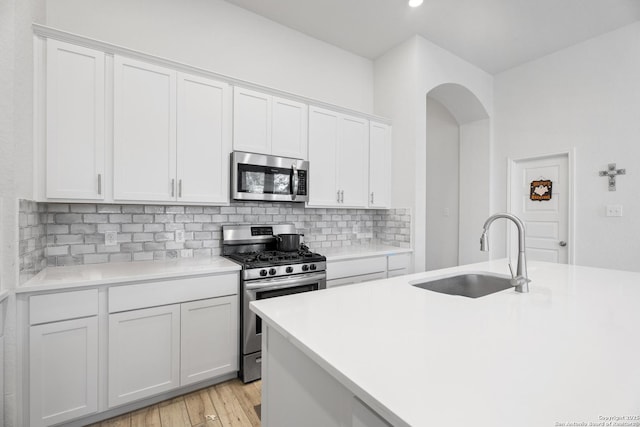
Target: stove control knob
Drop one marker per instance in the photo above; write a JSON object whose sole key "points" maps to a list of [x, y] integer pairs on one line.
{"points": [[313, 267], [289, 269], [263, 272], [272, 271], [305, 267]]}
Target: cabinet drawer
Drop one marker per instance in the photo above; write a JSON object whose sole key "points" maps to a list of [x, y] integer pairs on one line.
{"points": [[63, 306], [356, 267], [400, 261], [355, 279], [131, 297], [396, 273]]}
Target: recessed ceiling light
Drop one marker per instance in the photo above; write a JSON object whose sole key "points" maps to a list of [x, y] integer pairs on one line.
{"points": [[415, 3]]}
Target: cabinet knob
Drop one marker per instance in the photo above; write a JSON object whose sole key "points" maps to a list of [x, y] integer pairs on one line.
{"points": [[563, 243]]}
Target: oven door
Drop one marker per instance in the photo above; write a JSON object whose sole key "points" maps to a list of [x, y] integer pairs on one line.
{"points": [[271, 288], [261, 177]]}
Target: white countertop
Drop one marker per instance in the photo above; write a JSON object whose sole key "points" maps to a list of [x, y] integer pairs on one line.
{"points": [[53, 278], [361, 251], [566, 352]]}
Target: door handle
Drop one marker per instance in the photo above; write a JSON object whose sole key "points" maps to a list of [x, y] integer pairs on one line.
{"points": [[173, 188], [563, 243], [341, 196], [179, 188], [295, 182], [99, 184], [338, 195]]}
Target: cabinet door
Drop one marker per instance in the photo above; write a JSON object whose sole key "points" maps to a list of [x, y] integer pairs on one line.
{"points": [[379, 165], [251, 121], [75, 122], [144, 145], [63, 370], [144, 353], [289, 128], [353, 161], [209, 339], [323, 143], [204, 139]]}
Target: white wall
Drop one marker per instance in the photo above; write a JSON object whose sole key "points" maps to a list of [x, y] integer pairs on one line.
{"points": [[16, 165], [588, 97], [442, 168], [221, 37], [475, 207], [403, 77]]}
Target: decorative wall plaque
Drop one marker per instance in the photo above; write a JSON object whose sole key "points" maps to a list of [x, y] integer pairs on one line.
{"points": [[540, 190]]}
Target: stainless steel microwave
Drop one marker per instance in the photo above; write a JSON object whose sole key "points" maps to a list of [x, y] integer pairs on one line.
{"points": [[269, 178]]}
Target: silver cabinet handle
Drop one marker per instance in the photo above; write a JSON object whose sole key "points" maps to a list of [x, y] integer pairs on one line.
{"points": [[180, 188], [100, 184], [563, 243], [338, 196], [341, 196], [173, 187], [372, 197], [295, 182]]}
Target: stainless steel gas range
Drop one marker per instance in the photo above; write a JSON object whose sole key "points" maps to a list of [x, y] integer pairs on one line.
{"points": [[266, 273]]}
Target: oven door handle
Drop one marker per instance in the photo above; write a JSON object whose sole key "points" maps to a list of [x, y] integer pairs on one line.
{"points": [[295, 182], [287, 282]]}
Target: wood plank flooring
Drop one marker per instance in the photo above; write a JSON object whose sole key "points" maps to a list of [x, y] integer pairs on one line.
{"points": [[228, 404]]}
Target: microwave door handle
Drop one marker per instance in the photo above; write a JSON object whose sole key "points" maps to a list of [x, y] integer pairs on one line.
{"points": [[295, 182]]}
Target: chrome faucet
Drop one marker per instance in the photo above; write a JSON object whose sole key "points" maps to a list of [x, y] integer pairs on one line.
{"points": [[520, 279]]}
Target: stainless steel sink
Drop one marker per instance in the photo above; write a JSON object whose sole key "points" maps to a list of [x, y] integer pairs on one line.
{"points": [[472, 285]]}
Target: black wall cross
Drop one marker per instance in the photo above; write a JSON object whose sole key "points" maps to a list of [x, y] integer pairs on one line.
{"points": [[612, 172]]}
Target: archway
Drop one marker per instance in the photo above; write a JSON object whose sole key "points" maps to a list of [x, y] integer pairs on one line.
{"points": [[457, 174]]}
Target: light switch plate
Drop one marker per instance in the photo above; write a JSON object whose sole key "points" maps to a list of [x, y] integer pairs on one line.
{"points": [[110, 238], [179, 236], [614, 210]]}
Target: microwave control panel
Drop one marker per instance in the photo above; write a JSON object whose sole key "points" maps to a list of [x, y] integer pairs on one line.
{"points": [[302, 183]]}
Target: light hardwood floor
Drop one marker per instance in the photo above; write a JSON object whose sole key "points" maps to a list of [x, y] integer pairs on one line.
{"points": [[228, 404]]}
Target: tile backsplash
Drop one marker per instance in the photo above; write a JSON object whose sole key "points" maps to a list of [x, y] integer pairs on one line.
{"points": [[57, 234], [32, 239]]}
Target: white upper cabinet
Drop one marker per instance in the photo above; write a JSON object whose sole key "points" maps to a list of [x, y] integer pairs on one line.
{"points": [[204, 139], [289, 128], [251, 121], [353, 161], [268, 124], [323, 152], [172, 135], [75, 122], [144, 144], [339, 158], [379, 165]]}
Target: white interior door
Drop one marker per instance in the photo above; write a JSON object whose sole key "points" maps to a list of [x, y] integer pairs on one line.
{"points": [[546, 221]]}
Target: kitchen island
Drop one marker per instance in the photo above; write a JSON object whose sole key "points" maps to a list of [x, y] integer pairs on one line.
{"points": [[389, 353]]}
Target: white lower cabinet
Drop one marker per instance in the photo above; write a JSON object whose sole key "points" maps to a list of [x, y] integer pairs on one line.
{"points": [[144, 353], [157, 349], [358, 270], [63, 380], [209, 337]]}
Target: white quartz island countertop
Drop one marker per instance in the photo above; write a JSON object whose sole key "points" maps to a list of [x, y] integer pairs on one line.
{"points": [[566, 353], [53, 278]]}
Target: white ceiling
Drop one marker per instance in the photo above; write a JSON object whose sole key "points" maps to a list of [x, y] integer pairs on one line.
{"points": [[495, 35]]}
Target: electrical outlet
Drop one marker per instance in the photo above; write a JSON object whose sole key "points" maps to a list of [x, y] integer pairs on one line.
{"points": [[186, 253], [179, 236], [446, 212], [110, 238], [614, 210]]}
